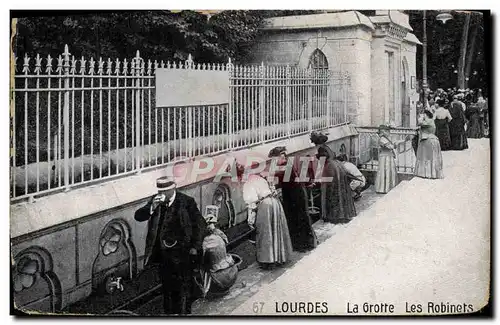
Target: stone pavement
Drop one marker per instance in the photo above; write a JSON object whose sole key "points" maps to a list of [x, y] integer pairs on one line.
{"points": [[423, 248]]}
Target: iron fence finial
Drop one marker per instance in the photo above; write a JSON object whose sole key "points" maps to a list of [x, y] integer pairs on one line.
{"points": [[125, 67], [73, 65], [109, 66], [100, 65], [189, 62], [91, 66], [83, 67], [38, 63], [26, 65], [117, 67], [49, 64]]}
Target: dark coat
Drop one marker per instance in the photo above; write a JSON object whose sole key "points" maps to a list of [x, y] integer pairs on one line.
{"points": [[456, 127], [183, 222], [322, 149], [295, 205], [339, 203]]}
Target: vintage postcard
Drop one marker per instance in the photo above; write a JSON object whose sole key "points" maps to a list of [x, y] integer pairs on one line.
{"points": [[250, 162]]}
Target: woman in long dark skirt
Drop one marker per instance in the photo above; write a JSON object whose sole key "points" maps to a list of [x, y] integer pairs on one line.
{"points": [[473, 127], [295, 205], [457, 126], [441, 120], [337, 204], [337, 201]]}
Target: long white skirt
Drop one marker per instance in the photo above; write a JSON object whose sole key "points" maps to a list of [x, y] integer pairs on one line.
{"points": [[387, 173], [429, 159], [272, 236]]}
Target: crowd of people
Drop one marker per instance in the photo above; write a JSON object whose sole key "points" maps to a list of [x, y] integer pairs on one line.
{"points": [[283, 225], [445, 123], [449, 118], [458, 114]]}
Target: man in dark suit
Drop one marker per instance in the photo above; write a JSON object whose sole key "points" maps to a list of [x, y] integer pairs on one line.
{"points": [[176, 229]]}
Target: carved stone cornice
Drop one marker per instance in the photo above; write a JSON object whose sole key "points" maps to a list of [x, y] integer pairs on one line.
{"points": [[390, 30], [397, 32], [391, 23]]}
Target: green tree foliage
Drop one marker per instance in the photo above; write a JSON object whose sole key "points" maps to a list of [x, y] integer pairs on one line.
{"points": [[165, 35], [161, 35]]}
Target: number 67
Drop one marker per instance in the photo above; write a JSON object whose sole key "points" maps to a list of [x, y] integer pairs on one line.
{"points": [[256, 308]]}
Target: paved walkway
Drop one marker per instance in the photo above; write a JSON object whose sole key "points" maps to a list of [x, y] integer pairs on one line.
{"points": [[426, 244]]}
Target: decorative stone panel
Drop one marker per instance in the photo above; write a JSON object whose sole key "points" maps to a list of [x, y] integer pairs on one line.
{"points": [[222, 199], [36, 286], [117, 256]]}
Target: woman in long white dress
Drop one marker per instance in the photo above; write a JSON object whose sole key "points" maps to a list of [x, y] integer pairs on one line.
{"points": [[387, 173], [266, 214], [429, 158]]}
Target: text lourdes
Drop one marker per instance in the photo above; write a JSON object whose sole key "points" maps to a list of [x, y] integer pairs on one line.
{"points": [[302, 307]]}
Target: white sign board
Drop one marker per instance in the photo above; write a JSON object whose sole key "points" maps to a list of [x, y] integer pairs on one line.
{"points": [[190, 87]]}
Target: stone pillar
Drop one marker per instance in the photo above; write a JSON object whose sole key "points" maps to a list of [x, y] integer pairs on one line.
{"points": [[409, 52], [391, 28], [356, 61], [362, 82], [379, 68], [397, 88]]}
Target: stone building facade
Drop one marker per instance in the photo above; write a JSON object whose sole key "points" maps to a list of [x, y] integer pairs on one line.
{"points": [[378, 52]]}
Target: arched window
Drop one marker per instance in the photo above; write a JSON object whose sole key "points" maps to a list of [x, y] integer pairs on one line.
{"points": [[318, 60], [318, 65]]}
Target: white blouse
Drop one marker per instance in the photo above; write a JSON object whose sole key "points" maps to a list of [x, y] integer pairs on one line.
{"points": [[255, 189], [442, 113]]}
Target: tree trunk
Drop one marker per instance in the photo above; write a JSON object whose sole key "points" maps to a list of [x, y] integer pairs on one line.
{"points": [[470, 54], [463, 50], [98, 41]]}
